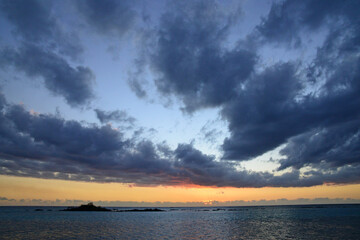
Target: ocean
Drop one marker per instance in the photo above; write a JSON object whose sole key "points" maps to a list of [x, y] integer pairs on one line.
{"points": [[268, 222]]}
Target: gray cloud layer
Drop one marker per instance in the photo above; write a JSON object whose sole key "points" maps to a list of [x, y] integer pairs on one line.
{"points": [[190, 61], [109, 16], [39, 31], [74, 84], [47, 146], [267, 107], [43, 48], [287, 20], [313, 110], [33, 22]]}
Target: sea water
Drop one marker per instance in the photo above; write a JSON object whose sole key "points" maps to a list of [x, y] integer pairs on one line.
{"points": [[270, 222]]}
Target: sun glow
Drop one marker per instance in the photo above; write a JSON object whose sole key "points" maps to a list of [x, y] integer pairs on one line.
{"points": [[47, 189]]}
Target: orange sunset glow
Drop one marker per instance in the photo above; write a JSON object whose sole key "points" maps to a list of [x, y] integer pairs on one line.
{"points": [[50, 190]]}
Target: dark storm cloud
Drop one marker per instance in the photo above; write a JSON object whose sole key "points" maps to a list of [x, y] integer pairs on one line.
{"points": [[332, 114], [31, 18], [287, 19], [115, 116], [47, 146], [108, 16], [41, 47], [268, 112], [189, 57], [321, 126], [264, 114], [34, 22], [337, 145], [311, 109], [265, 107], [74, 84], [202, 169]]}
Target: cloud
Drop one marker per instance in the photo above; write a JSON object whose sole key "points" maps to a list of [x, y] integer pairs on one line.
{"points": [[309, 106], [47, 146], [31, 18], [337, 145], [7, 199], [264, 114], [34, 22], [330, 115], [137, 87], [41, 35], [189, 59], [60, 78], [109, 16], [210, 135], [287, 20], [316, 127], [116, 116]]}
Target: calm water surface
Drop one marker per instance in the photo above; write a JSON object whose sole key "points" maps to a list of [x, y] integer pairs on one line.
{"points": [[281, 222]]}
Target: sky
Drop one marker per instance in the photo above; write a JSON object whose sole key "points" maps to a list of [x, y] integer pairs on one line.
{"points": [[179, 102]]}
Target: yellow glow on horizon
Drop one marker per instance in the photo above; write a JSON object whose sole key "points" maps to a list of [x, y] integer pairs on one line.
{"points": [[50, 189]]}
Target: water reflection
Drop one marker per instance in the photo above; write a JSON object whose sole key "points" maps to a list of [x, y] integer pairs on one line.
{"points": [[237, 223]]}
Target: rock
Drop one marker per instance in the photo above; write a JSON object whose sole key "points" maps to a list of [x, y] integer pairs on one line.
{"points": [[87, 207]]}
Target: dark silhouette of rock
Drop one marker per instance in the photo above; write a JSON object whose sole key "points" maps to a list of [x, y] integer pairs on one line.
{"points": [[91, 207], [87, 207], [218, 209]]}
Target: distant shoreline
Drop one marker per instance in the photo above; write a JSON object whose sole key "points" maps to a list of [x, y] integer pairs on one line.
{"points": [[218, 206]]}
